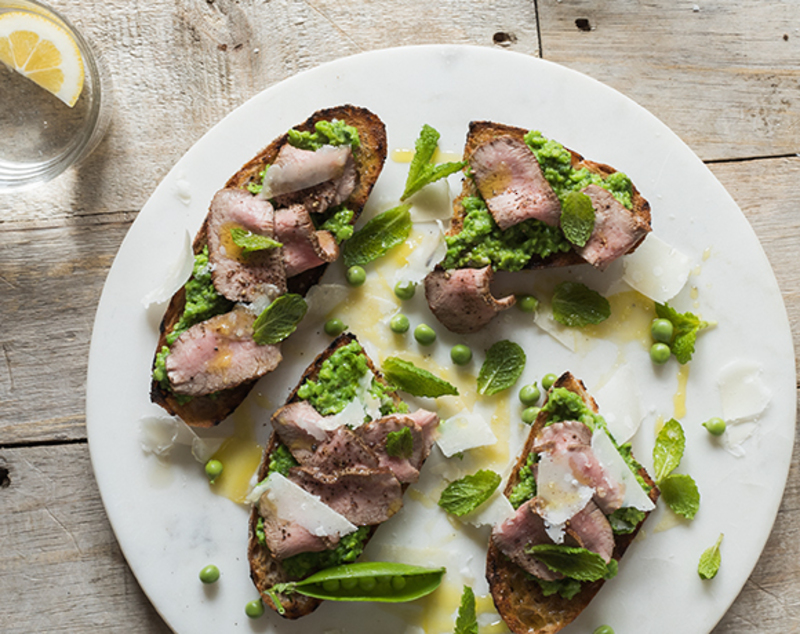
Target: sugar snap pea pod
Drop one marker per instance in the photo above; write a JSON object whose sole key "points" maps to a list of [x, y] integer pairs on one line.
{"points": [[384, 582]]}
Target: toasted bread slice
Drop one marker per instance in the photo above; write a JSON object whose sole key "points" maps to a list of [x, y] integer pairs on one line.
{"points": [[518, 598], [482, 131], [207, 411], [265, 570]]}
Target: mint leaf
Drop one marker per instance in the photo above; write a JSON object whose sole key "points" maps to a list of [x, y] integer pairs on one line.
{"points": [[668, 450], [467, 619], [465, 495], [279, 320], [400, 443], [504, 364], [422, 172], [249, 242], [374, 239], [576, 305], [577, 218], [576, 563], [708, 566], [680, 493], [416, 381], [685, 328]]}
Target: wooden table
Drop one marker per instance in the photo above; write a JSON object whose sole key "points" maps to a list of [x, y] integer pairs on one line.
{"points": [[724, 76]]}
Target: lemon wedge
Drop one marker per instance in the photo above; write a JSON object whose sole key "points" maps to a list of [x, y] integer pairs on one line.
{"points": [[44, 52]]}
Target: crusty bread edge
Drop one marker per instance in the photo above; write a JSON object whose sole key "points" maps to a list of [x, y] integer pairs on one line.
{"points": [[482, 131], [517, 597], [206, 411], [265, 570]]}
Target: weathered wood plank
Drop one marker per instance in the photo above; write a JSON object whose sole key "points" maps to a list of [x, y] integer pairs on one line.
{"points": [[179, 66], [722, 75], [50, 283], [61, 569]]}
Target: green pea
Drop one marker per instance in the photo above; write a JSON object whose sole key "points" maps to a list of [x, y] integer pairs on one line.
{"points": [[659, 353], [349, 583], [367, 584], [213, 470], [254, 609], [548, 380], [398, 583], [461, 354], [209, 574], [399, 323], [529, 415], [715, 426], [405, 290], [529, 394], [356, 275], [527, 303], [334, 327], [604, 629], [424, 334], [330, 585], [661, 330]]}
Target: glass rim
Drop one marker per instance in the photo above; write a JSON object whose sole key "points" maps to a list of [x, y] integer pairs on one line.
{"points": [[93, 126]]}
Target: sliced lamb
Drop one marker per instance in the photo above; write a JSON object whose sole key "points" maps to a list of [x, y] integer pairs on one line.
{"points": [[285, 538], [523, 529], [219, 354], [319, 198], [462, 299], [616, 229], [303, 246], [295, 169], [511, 181], [238, 276], [573, 440], [364, 496], [375, 433], [591, 530]]}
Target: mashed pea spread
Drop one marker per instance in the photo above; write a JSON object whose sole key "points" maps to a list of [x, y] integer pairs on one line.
{"points": [[481, 242]]}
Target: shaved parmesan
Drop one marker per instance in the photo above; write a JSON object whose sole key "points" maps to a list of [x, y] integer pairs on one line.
{"points": [[620, 404], [464, 431], [560, 494], [431, 250], [744, 395], [656, 269], [159, 434], [495, 510], [175, 277], [618, 470], [323, 298], [352, 416], [431, 203], [291, 503]]}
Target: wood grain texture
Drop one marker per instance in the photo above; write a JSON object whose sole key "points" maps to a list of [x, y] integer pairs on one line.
{"points": [[723, 75], [180, 66], [61, 569]]}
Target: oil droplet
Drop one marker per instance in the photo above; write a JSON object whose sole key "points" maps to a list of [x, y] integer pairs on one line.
{"points": [[402, 155], [631, 315], [706, 253], [679, 400], [240, 456]]}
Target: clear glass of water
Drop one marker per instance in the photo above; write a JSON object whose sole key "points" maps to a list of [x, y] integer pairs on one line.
{"points": [[40, 135]]}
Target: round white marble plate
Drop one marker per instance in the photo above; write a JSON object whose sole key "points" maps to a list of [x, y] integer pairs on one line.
{"points": [[169, 524]]}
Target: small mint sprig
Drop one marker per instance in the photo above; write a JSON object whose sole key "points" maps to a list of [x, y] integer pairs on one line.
{"points": [[467, 619], [679, 491], [422, 172], [465, 495], [710, 560]]}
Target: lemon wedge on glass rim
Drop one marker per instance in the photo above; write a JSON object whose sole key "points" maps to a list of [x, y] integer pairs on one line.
{"points": [[44, 52]]}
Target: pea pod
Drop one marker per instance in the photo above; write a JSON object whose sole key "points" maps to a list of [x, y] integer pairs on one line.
{"points": [[384, 582]]}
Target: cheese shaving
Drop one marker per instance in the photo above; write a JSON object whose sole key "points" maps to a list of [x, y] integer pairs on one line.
{"points": [[656, 269], [462, 432], [175, 277]]}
